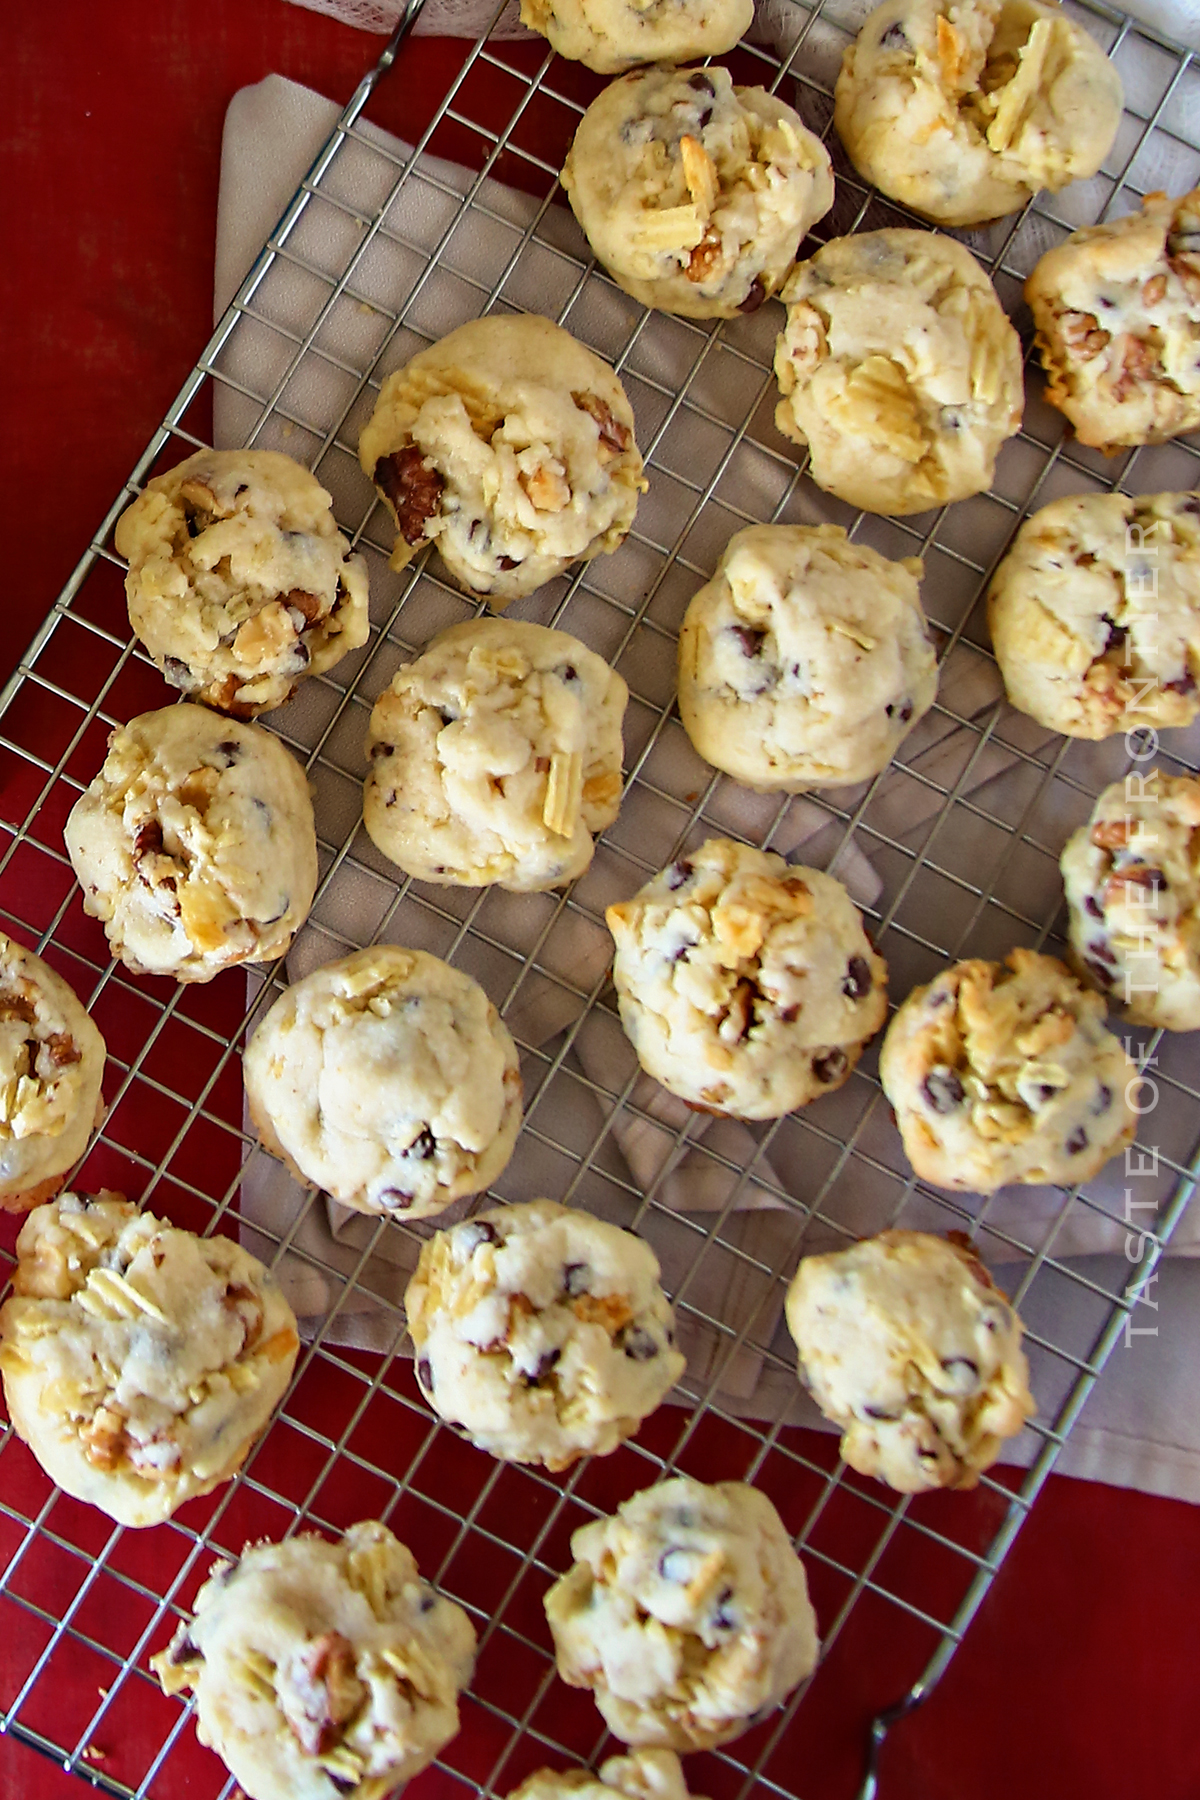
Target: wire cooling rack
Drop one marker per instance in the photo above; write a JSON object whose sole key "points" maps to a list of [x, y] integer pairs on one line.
{"points": [[953, 851]]}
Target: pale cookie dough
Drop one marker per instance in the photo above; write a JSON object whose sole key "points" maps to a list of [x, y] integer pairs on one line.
{"points": [[496, 757], [746, 986], [388, 1079], [964, 109], [1095, 614], [322, 1671], [510, 446], [1004, 1072], [51, 1065], [695, 194], [908, 1346], [1132, 879], [642, 1775], [541, 1332], [612, 35], [140, 1362], [805, 661], [240, 583], [195, 845], [898, 369], [686, 1612], [1116, 309]]}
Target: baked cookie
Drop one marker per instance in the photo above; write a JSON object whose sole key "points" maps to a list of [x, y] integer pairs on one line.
{"points": [[388, 1079], [140, 1362], [805, 661], [240, 584], [495, 757], [195, 845], [1116, 310], [909, 1347], [964, 109], [51, 1066], [1132, 878], [612, 35], [322, 1671], [1095, 613], [510, 446], [642, 1775], [695, 194], [686, 1612], [541, 1332], [745, 985], [1004, 1072], [898, 370]]}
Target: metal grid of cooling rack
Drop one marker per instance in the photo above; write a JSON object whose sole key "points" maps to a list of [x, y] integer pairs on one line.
{"points": [[960, 839]]}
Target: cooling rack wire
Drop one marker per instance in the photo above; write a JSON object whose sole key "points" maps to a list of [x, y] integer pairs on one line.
{"points": [[963, 833]]}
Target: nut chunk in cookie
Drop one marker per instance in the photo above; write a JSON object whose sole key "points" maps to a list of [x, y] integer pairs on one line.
{"points": [[195, 845], [964, 109], [240, 583], [695, 194], [1117, 315], [610, 36], [51, 1066], [496, 757], [510, 446], [898, 369], [1132, 878], [805, 661], [746, 986], [542, 1332], [686, 1612], [140, 1362], [909, 1347], [1004, 1072], [1095, 613], [388, 1079], [322, 1671]]}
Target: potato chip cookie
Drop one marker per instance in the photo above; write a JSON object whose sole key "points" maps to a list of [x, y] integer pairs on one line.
{"points": [[388, 1079], [240, 583], [745, 985], [907, 1344], [805, 661], [496, 757], [542, 1332], [610, 36], [642, 1775], [322, 1671], [1117, 315], [140, 1362], [686, 1612], [898, 370], [51, 1066], [1095, 614], [1004, 1072], [1132, 879], [964, 109], [695, 194], [510, 446]]}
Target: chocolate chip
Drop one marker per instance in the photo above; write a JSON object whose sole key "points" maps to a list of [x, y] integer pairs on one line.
{"points": [[1093, 907], [568, 673], [701, 82], [750, 640], [576, 1277], [755, 297], [149, 839], [789, 1014], [396, 1200], [1045, 1092], [183, 1649], [228, 751], [880, 1412], [1102, 1101], [1115, 633], [475, 1232], [545, 1363], [1077, 1142], [677, 874], [414, 488], [345, 1784], [704, 116], [905, 712], [829, 1066], [894, 39], [428, 1599], [1183, 684], [638, 1345], [447, 718], [1191, 505], [856, 984], [425, 1375], [943, 1090], [423, 1146], [176, 671], [505, 563], [724, 1618], [1101, 976], [1101, 952]]}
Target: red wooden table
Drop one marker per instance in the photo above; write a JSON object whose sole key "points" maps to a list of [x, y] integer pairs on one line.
{"points": [[1076, 1679]]}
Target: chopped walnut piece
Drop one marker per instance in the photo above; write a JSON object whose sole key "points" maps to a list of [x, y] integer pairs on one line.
{"points": [[17, 1006], [329, 1692], [1137, 361], [1110, 834], [547, 488], [414, 488], [104, 1438], [705, 257], [310, 606], [62, 1050], [1154, 290], [613, 435], [244, 1302], [1082, 336]]}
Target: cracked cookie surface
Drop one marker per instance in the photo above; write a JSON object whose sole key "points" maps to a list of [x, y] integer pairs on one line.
{"points": [[240, 584], [542, 1332], [686, 1613], [496, 757], [908, 1346], [746, 985], [51, 1067], [388, 1079], [695, 194], [322, 1671], [1004, 1072], [195, 845], [612, 35], [140, 1362]]}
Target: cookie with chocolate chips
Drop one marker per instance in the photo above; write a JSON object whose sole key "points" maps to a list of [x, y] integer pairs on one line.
{"points": [[51, 1065], [746, 986], [1004, 1072]]}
